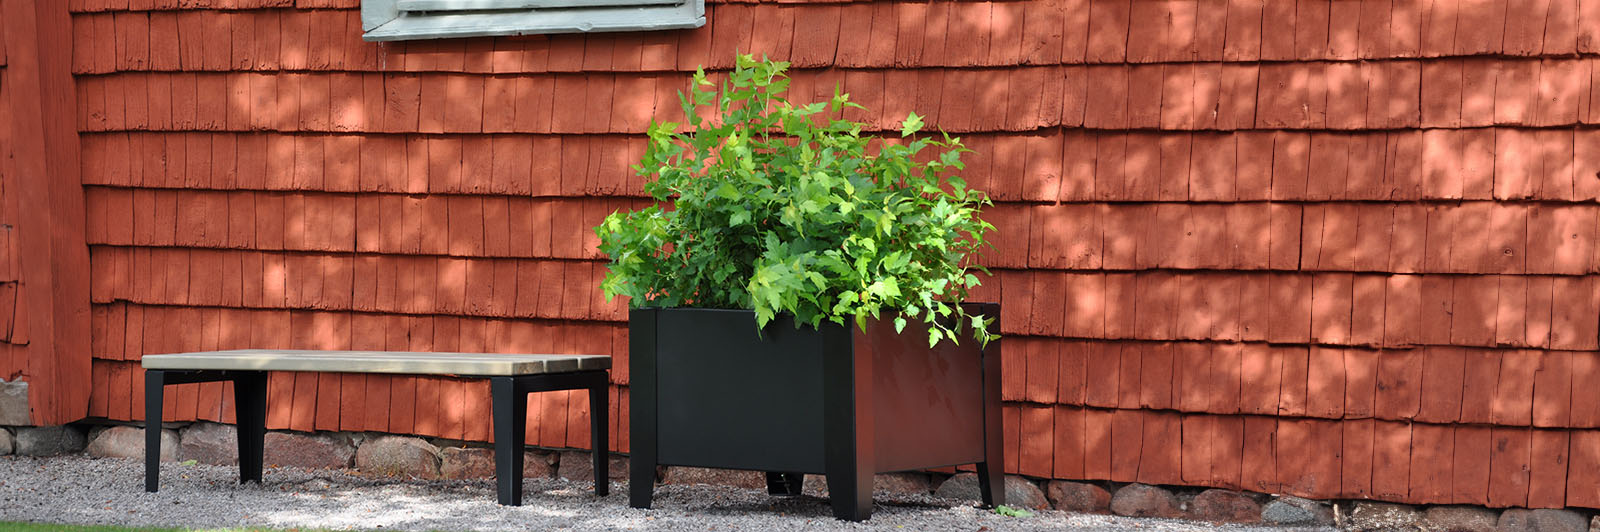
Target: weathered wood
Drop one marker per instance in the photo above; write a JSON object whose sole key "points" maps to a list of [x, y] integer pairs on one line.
{"points": [[405, 363], [50, 248]]}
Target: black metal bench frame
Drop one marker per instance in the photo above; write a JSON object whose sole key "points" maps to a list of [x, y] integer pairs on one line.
{"points": [[509, 394]]}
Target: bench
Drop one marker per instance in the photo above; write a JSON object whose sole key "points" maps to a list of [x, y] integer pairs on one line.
{"points": [[511, 377]]}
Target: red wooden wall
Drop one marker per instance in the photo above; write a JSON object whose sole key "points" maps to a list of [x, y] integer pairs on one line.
{"points": [[1333, 248], [44, 264]]}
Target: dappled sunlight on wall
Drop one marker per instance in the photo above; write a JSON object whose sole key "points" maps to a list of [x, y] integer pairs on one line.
{"points": [[1313, 248]]}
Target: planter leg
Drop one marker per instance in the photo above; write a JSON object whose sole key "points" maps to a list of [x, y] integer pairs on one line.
{"points": [[641, 475], [785, 484], [642, 406], [992, 485], [850, 493], [847, 426]]}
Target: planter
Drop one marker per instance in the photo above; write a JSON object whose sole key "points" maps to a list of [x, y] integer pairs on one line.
{"points": [[708, 390]]}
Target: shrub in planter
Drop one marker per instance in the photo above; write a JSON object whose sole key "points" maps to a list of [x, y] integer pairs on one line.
{"points": [[775, 302]]}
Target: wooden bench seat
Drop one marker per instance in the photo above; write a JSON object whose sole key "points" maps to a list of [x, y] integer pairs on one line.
{"points": [[512, 377]]}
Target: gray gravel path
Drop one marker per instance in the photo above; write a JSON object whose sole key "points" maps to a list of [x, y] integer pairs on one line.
{"points": [[82, 490]]}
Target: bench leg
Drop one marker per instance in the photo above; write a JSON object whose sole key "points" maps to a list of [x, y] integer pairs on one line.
{"points": [[599, 409], [991, 473], [250, 409], [510, 418], [154, 385]]}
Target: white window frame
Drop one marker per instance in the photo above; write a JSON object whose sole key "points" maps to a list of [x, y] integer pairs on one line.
{"points": [[395, 20]]}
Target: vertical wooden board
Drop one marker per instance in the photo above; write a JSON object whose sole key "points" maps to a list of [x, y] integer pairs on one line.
{"points": [[1127, 437], [1325, 383], [1324, 466], [1391, 460], [126, 383], [1160, 458], [1037, 441], [1513, 399], [553, 419], [1260, 371], [1072, 370], [1474, 302], [1399, 384], [1549, 233], [1367, 315], [1192, 363], [1224, 397], [1101, 370], [618, 435], [1014, 355], [1583, 473], [1585, 399], [1069, 434], [1097, 443], [1331, 310], [327, 400], [1012, 436], [352, 401], [378, 404], [304, 402], [1129, 370], [1552, 389], [1156, 383], [1509, 465], [1284, 239], [477, 410], [1471, 465], [1408, 240], [1511, 312], [1254, 314], [106, 389], [1402, 305], [1043, 364], [1293, 380], [1356, 458], [403, 405], [1443, 372], [1482, 375], [1576, 302], [429, 414], [1259, 472], [1292, 448], [1547, 480], [1227, 451], [1432, 456], [1196, 461], [1540, 300], [1290, 305]]}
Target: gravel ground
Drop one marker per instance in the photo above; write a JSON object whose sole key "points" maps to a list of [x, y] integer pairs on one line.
{"points": [[82, 490]]}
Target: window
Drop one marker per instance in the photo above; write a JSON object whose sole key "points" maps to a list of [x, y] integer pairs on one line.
{"points": [[392, 20]]}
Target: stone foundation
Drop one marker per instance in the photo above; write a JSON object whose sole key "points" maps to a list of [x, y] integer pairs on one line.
{"points": [[410, 456]]}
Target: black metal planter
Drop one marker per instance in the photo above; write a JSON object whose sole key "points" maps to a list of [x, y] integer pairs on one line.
{"points": [[708, 391]]}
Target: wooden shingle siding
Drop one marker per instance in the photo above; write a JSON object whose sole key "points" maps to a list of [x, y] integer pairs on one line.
{"points": [[1330, 248]]}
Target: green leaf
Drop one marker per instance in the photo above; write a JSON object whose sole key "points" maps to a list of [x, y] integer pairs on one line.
{"points": [[1012, 512], [765, 203], [188, 462], [911, 125], [899, 325]]}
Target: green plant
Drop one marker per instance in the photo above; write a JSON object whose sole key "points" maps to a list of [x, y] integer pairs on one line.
{"points": [[1012, 512], [781, 210]]}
